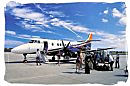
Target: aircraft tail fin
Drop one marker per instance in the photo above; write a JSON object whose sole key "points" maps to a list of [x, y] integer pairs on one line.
{"points": [[89, 37]]}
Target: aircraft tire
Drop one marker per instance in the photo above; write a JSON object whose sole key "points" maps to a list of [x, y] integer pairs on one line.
{"points": [[25, 61]]}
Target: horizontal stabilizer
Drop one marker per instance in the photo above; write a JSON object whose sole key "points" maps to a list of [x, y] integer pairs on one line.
{"points": [[81, 41], [100, 49]]}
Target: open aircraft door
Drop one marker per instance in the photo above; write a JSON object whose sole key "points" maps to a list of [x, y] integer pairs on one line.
{"points": [[45, 46]]}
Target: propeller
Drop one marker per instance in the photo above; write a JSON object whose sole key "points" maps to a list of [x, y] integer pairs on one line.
{"points": [[65, 49]]}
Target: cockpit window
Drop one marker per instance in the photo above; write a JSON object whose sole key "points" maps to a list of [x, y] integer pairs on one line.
{"points": [[31, 41], [34, 41]]}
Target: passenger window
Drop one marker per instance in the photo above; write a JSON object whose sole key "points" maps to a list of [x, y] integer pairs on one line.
{"points": [[35, 41], [60, 44], [52, 44], [57, 44], [38, 41]]}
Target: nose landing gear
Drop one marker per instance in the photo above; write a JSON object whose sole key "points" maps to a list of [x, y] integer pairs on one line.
{"points": [[25, 60]]}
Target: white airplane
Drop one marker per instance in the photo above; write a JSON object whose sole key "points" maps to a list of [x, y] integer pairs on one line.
{"points": [[51, 47]]}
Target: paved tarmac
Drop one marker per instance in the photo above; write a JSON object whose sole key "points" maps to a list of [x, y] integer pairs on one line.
{"points": [[51, 73]]}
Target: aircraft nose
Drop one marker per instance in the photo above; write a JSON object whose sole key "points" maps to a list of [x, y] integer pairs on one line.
{"points": [[14, 50], [21, 49]]}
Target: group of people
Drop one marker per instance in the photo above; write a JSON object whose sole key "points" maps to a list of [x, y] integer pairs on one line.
{"points": [[88, 58], [94, 59], [83, 58], [40, 56], [111, 61]]}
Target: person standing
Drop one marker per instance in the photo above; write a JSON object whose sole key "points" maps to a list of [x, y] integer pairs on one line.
{"points": [[117, 61], [111, 61], [81, 58], [78, 62], [59, 56], [87, 60], [94, 60], [38, 57]]}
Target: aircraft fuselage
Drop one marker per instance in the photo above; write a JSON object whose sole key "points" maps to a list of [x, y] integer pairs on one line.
{"points": [[40, 44]]}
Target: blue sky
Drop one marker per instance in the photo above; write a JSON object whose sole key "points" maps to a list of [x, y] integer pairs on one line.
{"points": [[68, 21]]}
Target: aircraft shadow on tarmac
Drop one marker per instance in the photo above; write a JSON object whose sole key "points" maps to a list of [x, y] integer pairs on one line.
{"points": [[122, 75], [62, 62], [73, 72], [20, 62]]}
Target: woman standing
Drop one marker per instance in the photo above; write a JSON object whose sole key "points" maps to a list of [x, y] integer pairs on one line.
{"points": [[78, 61]]}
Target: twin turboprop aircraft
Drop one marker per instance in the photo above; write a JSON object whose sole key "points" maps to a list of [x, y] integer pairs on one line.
{"points": [[52, 47]]}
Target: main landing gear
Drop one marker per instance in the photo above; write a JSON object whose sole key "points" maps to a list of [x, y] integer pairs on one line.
{"points": [[53, 58]]}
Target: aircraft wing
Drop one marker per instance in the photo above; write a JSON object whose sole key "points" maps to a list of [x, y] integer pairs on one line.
{"points": [[73, 48], [83, 44], [54, 51]]}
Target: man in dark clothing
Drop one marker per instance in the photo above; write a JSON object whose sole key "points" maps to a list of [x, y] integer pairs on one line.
{"points": [[117, 62], [87, 59]]}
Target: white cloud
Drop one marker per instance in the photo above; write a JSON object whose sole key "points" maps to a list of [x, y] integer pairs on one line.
{"points": [[122, 20], [104, 20], [122, 16], [56, 13], [13, 42], [35, 36], [70, 26], [31, 27], [27, 14], [10, 32], [111, 40], [30, 18], [69, 39], [35, 28], [105, 12], [13, 4], [123, 6], [116, 13], [122, 32], [25, 36], [38, 6], [35, 21]]}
